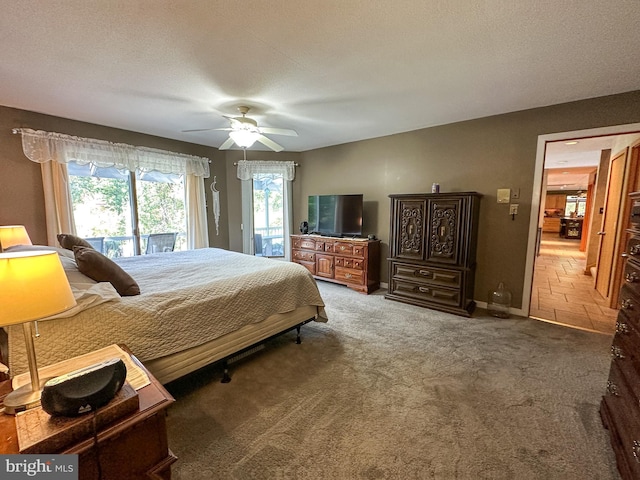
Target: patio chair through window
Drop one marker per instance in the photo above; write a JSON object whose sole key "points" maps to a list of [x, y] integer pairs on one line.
{"points": [[97, 243], [161, 242]]}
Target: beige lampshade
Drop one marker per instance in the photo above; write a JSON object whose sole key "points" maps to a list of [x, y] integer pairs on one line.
{"points": [[11, 235], [33, 285]]}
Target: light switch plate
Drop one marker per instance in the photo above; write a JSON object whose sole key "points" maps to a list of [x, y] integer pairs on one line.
{"points": [[504, 195]]}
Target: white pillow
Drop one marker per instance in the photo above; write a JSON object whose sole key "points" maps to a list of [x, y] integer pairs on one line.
{"points": [[76, 278], [63, 252]]}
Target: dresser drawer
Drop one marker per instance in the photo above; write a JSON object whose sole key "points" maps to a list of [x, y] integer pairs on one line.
{"points": [[349, 275], [630, 305], [343, 248], [624, 378], [359, 250], [627, 334], [307, 243], [347, 262], [432, 276], [304, 255], [425, 291], [624, 428], [632, 277]]}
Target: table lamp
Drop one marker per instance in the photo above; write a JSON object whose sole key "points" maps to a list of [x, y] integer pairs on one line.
{"points": [[33, 286], [11, 235]]}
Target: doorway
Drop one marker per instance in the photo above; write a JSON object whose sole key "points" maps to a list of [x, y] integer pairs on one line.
{"points": [[268, 214], [266, 207], [561, 288]]}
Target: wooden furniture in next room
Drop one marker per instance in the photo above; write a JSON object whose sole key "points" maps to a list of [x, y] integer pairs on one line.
{"points": [[620, 407], [351, 262], [433, 250], [132, 447]]}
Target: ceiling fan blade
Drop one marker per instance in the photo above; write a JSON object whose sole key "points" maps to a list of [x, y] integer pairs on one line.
{"points": [[270, 143], [279, 131], [224, 129], [197, 130], [233, 120], [227, 144]]}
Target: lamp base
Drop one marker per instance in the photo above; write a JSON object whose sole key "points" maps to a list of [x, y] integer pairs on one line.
{"points": [[23, 399]]}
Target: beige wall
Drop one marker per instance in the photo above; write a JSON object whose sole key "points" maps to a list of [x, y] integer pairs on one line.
{"points": [[480, 155], [21, 197]]}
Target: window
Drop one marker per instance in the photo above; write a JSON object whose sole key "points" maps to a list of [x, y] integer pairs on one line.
{"points": [[266, 207], [268, 214], [576, 206], [111, 205]]}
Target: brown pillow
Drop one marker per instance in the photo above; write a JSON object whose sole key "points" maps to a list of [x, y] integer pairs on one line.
{"points": [[102, 269], [69, 241]]}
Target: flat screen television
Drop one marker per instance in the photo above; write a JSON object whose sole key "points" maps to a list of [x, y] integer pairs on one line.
{"points": [[336, 215]]}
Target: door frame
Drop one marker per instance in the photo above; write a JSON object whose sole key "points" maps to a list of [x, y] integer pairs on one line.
{"points": [[536, 195]]}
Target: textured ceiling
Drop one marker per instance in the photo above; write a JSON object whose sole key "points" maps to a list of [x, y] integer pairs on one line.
{"points": [[335, 71]]}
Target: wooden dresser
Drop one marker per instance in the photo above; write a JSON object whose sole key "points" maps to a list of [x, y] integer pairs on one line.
{"points": [[433, 250], [133, 447], [620, 406], [351, 262]]}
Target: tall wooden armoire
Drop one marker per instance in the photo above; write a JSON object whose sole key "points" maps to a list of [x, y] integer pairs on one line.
{"points": [[432, 247]]}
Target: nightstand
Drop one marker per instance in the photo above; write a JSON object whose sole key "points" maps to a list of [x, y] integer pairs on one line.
{"points": [[132, 447]]}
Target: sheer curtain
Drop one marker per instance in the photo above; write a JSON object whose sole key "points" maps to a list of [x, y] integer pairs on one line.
{"points": [[246, 170], [54, 150], [57, 200]]}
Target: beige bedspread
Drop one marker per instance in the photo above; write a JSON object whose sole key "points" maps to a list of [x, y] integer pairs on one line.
{"points": [[187, 298]]}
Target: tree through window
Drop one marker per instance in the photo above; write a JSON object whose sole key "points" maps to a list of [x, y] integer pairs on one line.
{"points": [[123, 207]]}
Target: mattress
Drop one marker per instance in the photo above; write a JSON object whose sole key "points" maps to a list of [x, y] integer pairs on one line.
{"points": [[188, 300]]}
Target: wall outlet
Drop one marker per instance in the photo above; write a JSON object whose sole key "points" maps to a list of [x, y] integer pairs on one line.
{"points": [[513, 209]]}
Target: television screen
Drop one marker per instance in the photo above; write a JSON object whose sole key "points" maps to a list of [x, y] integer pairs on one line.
{"points": [[336, 215]]}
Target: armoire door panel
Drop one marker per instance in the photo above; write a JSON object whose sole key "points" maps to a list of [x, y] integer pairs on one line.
{"points": [[410, 238], [445, 223]]}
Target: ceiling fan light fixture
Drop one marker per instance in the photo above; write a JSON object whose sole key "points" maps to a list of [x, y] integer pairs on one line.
{"points": [[244, 138]]}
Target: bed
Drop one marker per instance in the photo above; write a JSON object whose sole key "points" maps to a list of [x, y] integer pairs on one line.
{"points": [[195, 307]]}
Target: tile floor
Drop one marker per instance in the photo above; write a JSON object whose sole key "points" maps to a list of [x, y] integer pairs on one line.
{"points": [[562, 293]]}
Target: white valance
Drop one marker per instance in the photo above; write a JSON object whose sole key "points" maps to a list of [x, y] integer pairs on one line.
{"points": [[40, 147], [247, 168]]}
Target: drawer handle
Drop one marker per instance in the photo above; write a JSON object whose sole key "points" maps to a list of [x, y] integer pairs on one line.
{"points": [[424, 273], [612, 388], [635, 250], [636, 450], [342, 247], [627, 304], [622, 327], [424, 289], [631, 277], [616, 352], [347, 275]]}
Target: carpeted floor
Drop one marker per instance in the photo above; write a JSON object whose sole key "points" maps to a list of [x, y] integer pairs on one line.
{"points": [[386, 390]]}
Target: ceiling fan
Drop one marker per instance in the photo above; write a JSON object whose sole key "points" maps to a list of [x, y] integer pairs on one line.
{"points": [[244, 132]]}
